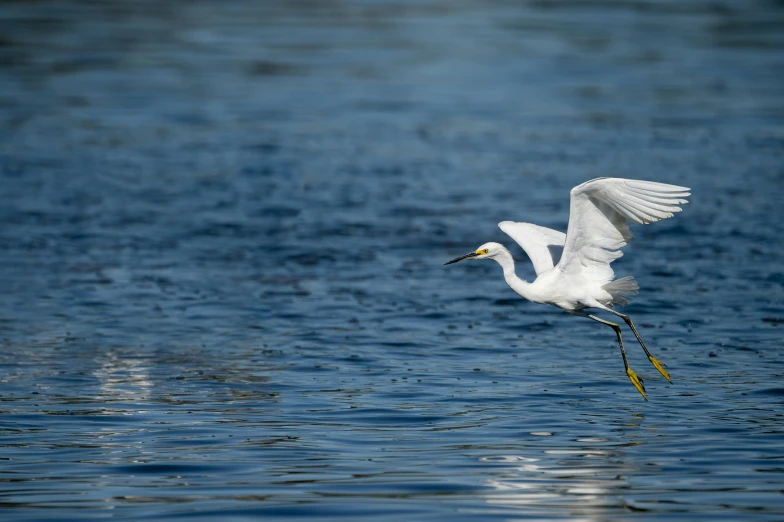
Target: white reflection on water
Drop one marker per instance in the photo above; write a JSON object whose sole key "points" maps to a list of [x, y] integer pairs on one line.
{"points": [[588, 481], [123, 378]]}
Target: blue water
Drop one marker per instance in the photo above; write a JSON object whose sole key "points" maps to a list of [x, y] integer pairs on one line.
{"points": [[223, 229]]}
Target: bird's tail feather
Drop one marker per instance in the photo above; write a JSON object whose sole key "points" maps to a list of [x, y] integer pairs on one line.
{"points": [[621, 289]]}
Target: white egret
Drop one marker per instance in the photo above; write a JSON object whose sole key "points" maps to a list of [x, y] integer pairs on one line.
{"points": [[598, 229]]}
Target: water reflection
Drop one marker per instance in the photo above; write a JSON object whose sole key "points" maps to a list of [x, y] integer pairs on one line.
{"points": [[123, 378], [586, 476]]}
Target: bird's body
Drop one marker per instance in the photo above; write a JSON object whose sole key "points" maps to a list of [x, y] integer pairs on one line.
{"points": [[557, 288], [582, 278]]}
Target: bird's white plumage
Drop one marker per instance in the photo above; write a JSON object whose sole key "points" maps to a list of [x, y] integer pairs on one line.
{"points": [[598, 229], [536, 241]]}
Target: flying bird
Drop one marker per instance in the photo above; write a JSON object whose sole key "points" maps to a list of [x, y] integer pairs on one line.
{"points": [[599, 211]]}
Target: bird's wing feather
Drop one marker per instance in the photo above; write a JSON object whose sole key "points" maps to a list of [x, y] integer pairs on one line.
{"points": [[536, 241], [598, 229]]}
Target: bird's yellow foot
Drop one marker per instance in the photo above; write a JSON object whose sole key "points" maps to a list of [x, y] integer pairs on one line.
{"points": [[659, 366], [637, 382]]}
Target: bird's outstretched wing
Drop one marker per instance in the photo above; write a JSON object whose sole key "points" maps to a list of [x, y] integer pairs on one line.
{"points": [[536, 241], [598, 229]]}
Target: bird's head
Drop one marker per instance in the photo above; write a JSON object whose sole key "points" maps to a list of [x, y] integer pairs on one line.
{"points": [[486, 251]]}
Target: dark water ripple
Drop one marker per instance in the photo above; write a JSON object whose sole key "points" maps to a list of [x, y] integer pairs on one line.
{"points": [[224, 228]]}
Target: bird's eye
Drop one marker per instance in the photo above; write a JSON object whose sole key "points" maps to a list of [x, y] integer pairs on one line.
{"points": [[482, 251]]}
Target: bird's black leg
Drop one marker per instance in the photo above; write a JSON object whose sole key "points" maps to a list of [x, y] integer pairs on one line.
{"points": [[658, 365], [636, 381]]}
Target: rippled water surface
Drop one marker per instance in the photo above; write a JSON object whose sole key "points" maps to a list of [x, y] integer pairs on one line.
{"points": [[223, 229]]}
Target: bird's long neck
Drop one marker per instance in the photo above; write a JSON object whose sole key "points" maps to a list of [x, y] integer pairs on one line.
{"points": [[518, 285]]}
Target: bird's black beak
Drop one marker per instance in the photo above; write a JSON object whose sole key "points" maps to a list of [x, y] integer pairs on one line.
{"points": [[467, 256]]}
